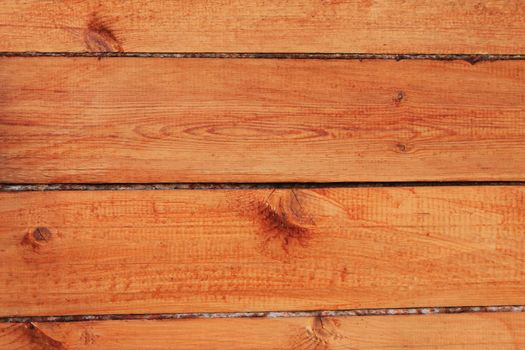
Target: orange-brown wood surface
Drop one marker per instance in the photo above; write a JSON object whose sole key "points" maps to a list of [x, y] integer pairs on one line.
{"points": [[249, 250], [461, 332], [395, 26], [247, 120], [111, 111]]}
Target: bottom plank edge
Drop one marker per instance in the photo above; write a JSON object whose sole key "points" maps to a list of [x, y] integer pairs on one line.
{"points": [[434, 331]]}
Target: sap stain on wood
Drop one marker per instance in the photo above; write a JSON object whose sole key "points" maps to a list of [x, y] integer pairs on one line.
{"points": [[284, 222], [99, 36], [40, 339]]}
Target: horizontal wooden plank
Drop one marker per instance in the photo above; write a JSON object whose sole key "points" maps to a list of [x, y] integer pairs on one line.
{"points": [[101, 252], [461, 332], [246, 120], [395, 26]]}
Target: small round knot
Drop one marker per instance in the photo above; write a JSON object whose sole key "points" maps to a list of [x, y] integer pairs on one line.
{"points": [[400, 96], [37, 238], [42, 234], [402, 147]]}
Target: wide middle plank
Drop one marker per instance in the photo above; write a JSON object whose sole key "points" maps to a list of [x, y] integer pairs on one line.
{"points": [[100, 252], [248, 120]]}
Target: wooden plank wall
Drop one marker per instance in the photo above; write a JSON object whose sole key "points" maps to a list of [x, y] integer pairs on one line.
{"points": [[264, 175]]}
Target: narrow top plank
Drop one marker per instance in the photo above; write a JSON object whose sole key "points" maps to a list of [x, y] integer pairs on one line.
{"points": [[396, 26], [247, 120]]}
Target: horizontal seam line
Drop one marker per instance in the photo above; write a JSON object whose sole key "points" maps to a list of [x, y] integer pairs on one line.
{"points": [[471, 58], [18, 187], [271, 314]]}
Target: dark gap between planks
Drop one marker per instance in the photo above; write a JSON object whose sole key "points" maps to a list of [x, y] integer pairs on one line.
{"points": [[240, 185], [471, 58], [271, 314]]}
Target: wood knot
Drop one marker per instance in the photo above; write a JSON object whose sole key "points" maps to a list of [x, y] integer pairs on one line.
{"points": [[38, 237], [323, 334], [88, 337], [400, 147], [399, 97], [284, 222], [40, 339], [325, 329], [99, 37], [42, 234]]}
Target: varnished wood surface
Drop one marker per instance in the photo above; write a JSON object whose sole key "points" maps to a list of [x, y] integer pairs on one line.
{"points": [[459, 332], [395, 26], [248, 120], [102, 252]]}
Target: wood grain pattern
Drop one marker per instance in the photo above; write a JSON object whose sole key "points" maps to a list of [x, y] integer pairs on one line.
{"points": [[259, 250], [459, 332], [395, 26], [249, 120]]}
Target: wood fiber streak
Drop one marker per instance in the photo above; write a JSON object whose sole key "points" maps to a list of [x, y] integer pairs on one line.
{"points": [[395, 26], [82, 120], [70, 253], [461, 332]]}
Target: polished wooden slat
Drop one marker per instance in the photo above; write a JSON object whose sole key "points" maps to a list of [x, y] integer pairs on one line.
{"points": [[246, 120], [250, 250], [395, 26], [459, 332]]}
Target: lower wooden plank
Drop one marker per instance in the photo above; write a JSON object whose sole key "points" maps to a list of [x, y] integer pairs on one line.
{"points": [[104, 252], [462, 331]]}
